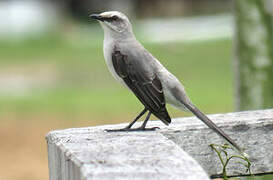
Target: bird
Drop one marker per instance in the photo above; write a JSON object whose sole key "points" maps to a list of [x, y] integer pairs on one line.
{"points": [[138, 70]]}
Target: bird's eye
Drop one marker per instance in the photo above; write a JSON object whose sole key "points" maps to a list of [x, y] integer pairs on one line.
{"points": [[115, 17]]}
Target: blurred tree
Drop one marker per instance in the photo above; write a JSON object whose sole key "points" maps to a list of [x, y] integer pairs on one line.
{"points": [[143, 8], [172, 8], [254, 54], [81, 9]]}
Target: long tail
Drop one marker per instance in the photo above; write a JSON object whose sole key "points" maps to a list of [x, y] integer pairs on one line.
{"points": [[211, 125]]}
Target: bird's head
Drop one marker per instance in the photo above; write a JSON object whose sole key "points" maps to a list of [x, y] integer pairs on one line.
{"points": [[114, 22]]}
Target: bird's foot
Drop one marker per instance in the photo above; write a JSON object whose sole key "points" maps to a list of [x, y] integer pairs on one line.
{"points": [[126, 129]]}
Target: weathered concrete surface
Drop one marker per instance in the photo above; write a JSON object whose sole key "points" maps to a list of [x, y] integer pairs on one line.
{"points": [[91, 153], [252, 130]]}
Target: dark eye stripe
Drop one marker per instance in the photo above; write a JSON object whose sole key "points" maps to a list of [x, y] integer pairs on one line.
{"points": [[113, 18]]}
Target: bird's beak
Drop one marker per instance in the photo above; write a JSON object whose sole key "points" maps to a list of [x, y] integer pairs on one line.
{"points": [[96, 17]]}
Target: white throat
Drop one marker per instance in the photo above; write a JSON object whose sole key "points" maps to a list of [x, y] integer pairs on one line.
{"points": [[108, 46], [111, 39]]}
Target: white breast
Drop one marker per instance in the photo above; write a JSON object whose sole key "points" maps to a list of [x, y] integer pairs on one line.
{"points": [[108, 46]]}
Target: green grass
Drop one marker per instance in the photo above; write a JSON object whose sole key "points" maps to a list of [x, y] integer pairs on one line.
{"points": [[85, 87]]}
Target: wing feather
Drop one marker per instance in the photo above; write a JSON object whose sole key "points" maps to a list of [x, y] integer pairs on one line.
{"points": [[143, 83]]}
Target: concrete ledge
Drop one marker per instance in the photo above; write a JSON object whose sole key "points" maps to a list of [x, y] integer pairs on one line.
{"points": [[252, 130], [91, 153]]}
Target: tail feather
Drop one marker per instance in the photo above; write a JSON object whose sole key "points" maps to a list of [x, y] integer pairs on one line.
{"points": [[211, 125]]}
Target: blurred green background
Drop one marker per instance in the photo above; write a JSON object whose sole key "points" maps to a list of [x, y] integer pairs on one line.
{"points": [[53, 74], [70, 78]]}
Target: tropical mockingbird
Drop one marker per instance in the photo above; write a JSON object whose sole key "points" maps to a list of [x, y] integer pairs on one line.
{"points": [[138, 70]]}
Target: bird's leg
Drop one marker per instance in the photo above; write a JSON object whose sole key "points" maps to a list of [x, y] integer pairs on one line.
{"points": [[139, 116], [145, 121], [128, 128], [142, 127]]}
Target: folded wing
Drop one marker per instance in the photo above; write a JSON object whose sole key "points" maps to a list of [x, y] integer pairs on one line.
{"points": [[143, 82]]}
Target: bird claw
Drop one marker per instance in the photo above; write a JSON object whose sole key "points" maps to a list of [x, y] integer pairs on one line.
{"points": [[126, 129]]}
